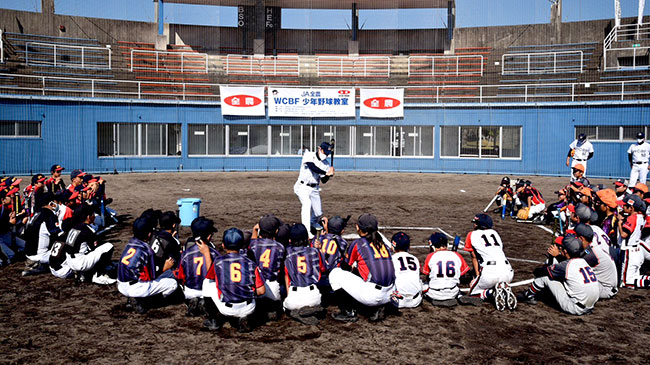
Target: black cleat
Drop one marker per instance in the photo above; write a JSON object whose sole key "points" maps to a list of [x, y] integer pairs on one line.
{"points": [[345, 316]]}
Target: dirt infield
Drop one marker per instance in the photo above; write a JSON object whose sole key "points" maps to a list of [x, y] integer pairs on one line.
{"points": [[48, 320]]}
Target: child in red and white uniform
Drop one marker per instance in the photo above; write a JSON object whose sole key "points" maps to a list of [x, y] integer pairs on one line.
{"points": [[443, 269], [630, 239]]}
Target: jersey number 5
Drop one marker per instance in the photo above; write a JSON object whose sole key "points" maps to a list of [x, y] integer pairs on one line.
{"points": [[301, 264]]}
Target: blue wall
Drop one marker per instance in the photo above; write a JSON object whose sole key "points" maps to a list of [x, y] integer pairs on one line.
{"points": [[69, 136]]}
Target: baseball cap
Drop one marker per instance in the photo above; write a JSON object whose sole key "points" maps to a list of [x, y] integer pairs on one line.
{"points": [[579, 167], [586, 191], [168, 220], [83, 211], [572, 245], [505, 181], [582, 137], [55, 168], [12, 181], [558, 240], [327, 148], [77, 173], [88, 178], [65, 196], [438, 240], [142, 227], [336, 225], [583, 230], [367, 223], [635, 201], [3, 193], [641, 187], [583, 212], [640, 135], [282, 235], [269, 223], [298, 234], [233, 238], [483, 221], [38, 178], [203, 227], [620, 182], [402, 241]]}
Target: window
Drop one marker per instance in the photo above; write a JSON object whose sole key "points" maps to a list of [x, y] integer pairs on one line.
{"points": [[206, 139], [248, 140], [480, 142], [411, 141], [289, 139], [20, 128], [340, 134], [138, 139], [611, 133]]}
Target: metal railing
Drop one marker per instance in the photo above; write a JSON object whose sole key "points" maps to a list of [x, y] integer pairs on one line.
{"points": [[265, 66], [470, 65], [605, 90], [626, 33], [59, 55], [542, 62], [342, 66], [169, 61]]}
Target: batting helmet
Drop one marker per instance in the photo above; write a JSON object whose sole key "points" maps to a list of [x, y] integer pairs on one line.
{"points": [[505, 181], [438, 240], [401, 241], [483, 221]]}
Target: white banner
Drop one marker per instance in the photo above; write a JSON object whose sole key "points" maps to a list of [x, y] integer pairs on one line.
{"points": [[295, 102], [242, 100], [382, 103]]}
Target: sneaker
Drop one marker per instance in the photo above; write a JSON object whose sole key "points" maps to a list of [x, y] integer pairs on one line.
{"points": [[140, 306], [212, 324], [499, 297], [377, 315], [103, 279], [243, 326], [511, 299], [345, 316], [526, 297], [34, 268]]}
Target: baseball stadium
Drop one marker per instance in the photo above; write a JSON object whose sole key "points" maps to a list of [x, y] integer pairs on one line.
{"points": [[366, 181]]}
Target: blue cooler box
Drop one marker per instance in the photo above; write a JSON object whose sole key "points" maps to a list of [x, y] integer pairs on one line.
{"points": [[188, 210]]}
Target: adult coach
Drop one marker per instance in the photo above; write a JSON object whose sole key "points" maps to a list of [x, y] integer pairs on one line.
{"points": [[581, 150], [313, 167], [638, 155]]}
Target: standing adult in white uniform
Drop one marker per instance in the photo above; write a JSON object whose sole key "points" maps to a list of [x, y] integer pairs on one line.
{"points": [[638, 155], [313, 168], [581, 150]]}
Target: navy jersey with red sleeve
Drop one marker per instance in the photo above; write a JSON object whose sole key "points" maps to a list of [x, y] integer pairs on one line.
{"points": [[136, 262], [332, 248], [192, 269], [236, 277], [303, 265], [373, 262], [268, 255]]}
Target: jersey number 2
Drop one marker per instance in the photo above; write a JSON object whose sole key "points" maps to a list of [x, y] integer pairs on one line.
{"points": [[128, 256]]}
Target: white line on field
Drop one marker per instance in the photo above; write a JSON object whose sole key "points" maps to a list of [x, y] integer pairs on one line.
{"points": [[545, 228], [410, 228]]}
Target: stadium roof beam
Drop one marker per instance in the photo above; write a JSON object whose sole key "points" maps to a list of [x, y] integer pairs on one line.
{"points": [[329, 4]]}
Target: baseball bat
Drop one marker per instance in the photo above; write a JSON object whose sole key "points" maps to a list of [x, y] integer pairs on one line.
{"points": [[491, 202], [503, 211], [332, 142]]}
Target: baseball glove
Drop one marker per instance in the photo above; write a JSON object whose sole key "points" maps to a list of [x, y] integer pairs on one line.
{"points": [[523, 213]]}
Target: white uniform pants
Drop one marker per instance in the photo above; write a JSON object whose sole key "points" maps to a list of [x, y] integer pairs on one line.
{"points": [[367, 293], [272, 290], [639, 172], [567, 303], [490, 276], [536, 209], [410, 301], [238, 310], [311, 209], [192, 293], [143, 289], [632, 262], [443, 294], [301, 297], [64, 272], [86, 262]]}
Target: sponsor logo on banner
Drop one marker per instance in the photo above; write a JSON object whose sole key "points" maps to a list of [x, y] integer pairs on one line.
{"points": [[242, 100], [298, 102], [382, 103]]}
